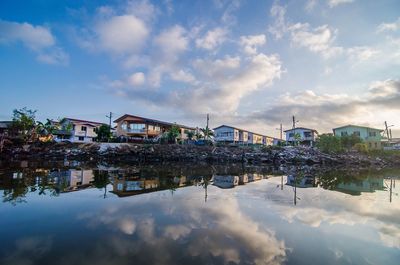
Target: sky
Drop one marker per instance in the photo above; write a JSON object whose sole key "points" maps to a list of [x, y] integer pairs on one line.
{"points": [[250, 64]]}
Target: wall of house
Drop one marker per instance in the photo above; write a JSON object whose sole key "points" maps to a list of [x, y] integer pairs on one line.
{"points": [[225, 134], [299, 131], [364, 133]]}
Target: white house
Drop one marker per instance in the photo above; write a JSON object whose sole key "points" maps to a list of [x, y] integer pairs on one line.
{"points": [[306, 136], [75, 130], [230, 134]]}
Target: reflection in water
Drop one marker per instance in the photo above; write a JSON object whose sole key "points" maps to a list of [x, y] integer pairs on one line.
{"points": [[156, 215]]}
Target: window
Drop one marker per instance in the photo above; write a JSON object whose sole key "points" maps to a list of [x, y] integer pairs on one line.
{"points": [[356, 133], [80, 138], [124, 126], [376, 145], [137, 126], [372, 134], [343, 134], [307, 134], [291, 134], [83, 128], [73, 127]]}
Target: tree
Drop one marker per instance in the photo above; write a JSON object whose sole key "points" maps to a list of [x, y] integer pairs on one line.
{"points": [[45, 129], [173, 133], [190, 135], [349, 141], [207, 132], [24, 123], [103, 133], [297, 138], [329, 143]]}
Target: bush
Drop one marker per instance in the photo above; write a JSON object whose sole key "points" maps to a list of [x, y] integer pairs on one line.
{"points": [[328, 143], [360, 147]]}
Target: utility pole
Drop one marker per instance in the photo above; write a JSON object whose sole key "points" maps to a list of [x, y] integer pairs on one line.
{"points": [[390, 134], [208, 118], [387, 130], [294, 128], [280, 130], [294, 122], [110, 117]]}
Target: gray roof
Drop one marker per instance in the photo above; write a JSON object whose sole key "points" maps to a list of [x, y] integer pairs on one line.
{"points": [[301, 128], [5, 124], [350, 125], [244, 131]]}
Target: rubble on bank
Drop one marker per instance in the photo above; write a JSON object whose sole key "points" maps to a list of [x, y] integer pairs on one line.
{"points": [[127, 152]]}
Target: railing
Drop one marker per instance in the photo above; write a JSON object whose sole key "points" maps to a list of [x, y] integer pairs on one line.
{"points": [[135, 130]]}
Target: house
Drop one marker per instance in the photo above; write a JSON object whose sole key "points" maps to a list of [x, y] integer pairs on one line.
{"points": [[371, 136], [76, 130], [306, 136], [139, 128], [230, 134], [5, 127]]}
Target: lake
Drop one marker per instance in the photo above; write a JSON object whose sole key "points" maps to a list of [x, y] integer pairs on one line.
{"points": [[197, 214]]}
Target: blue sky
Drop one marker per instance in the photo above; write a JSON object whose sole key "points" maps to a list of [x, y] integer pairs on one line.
{"points": [[251, 64]]}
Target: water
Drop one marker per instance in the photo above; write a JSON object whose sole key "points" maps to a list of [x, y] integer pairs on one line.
{"points": [[199, 214]]}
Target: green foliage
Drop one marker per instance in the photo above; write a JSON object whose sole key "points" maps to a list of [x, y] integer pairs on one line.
{"points": [[103, 133], [24, 123], [45, 129], [207, 132], [190, 135], [67, 126], [173, 133], [360, 147], [349, 141], [329, 143]]}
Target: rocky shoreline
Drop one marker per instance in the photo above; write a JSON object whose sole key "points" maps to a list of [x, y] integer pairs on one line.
{"points": [[130, 153]]}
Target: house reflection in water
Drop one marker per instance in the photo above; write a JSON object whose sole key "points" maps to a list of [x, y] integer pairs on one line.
{"points": [[131, 183], [302, 182], [72, 179], [365, 185], [231, 181]]}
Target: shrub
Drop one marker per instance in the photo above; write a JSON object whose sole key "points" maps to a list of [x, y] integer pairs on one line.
{"points": [[329, 143], [360, 147]]}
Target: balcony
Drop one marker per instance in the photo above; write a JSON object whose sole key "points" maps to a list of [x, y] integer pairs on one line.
{"points": [[138, 131]]}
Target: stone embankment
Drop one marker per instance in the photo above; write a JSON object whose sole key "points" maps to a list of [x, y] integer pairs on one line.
{"points": [[124, 152]]}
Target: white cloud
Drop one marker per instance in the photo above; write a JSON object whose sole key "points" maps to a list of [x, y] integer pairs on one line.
{"points": [[55, 56], [218, 68], [36, 38], [319, 40], [182, 76], [219, 84], [124, 34], [379, 101], [33, 37], [143, 10], [212, 39], [310, 4], [227, 17], [251, 42], [279, 27], [362, 53], [172, 41], [137, 79], [334, 3], [389, 26]]}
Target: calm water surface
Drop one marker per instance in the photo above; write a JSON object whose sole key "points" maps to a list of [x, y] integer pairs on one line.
{"points": [[198, 215]]}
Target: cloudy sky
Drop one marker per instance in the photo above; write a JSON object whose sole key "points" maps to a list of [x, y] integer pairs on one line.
{"points": [[250, 64]]}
